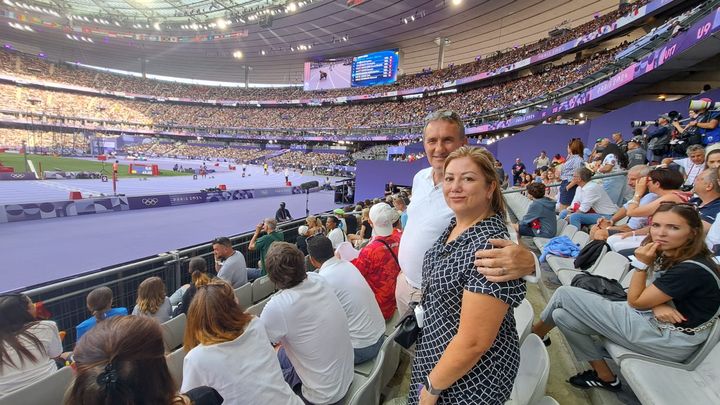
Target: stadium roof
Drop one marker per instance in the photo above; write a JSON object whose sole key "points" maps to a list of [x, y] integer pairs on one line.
{"points": [[184, 38]]}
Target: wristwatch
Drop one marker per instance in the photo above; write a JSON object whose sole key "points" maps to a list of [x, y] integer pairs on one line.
{"points": [[430, 389]]}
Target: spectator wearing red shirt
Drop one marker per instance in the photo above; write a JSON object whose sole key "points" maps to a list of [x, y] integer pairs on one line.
{"points": [[378, 261]]}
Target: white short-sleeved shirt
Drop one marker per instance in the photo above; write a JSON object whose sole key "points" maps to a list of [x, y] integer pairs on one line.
{"points": [[428, 216], [366, 322], [245, 370], [22, 375], [311, 325], [336, 236], [691, 169], [234, 270]]}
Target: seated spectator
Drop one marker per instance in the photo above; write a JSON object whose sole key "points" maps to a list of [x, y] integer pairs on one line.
{"points": [[229, 263], [590, 203], [199, 277], [335, 234], [230, 350], [282, 214], [99, 303], [263, 243], [712, 160], [378, 260], [401, 207], [606, 227], [663, 182], [692, 165], [309, 323], [301, 241], [685, 294], [367, 326], [27, 346], [315, 225], [365, 232], [151, 300], [351, 221], [550, 181], [707, 196], [613, 160], [540, 219], [636, 154], [122, 361]]}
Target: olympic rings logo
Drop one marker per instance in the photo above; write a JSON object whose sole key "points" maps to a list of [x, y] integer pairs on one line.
{"points": [[17, 175], [149, 201]]}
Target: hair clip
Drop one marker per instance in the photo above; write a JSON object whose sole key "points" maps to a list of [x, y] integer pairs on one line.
{"points": [[109, 377]]}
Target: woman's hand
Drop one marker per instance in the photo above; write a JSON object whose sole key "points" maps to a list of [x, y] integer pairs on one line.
{"points": [[647, 253], [426, 398], [668, 314]]}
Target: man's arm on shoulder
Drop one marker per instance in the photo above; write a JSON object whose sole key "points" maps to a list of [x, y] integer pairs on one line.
{"points": [[507, 261]]}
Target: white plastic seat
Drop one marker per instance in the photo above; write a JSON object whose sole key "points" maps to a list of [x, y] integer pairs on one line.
{"points": [[611, 265], [48, 391], [658, 384], [244, 295], [262, 288], [257, 308], [533, 373], [173, 332], [174, 362], [366, 390], [391, 323], [581, 238], [524, 316]]}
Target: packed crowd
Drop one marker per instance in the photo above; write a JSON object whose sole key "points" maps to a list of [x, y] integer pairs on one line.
{"points": [[43, 141], [163, 115], [434, 251], [309, 160], [28, 66]]}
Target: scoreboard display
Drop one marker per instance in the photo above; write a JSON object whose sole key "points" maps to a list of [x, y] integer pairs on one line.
{"points": [[375, 68]]}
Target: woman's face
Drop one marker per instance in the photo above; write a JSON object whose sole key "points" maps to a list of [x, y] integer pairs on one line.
{"points": [[550, 174], [465, 188], [713, 160], [670, 230]]}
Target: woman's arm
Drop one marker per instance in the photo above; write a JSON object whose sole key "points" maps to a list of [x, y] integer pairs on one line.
{"points": [[635, 210], [480, 319], [605, 168], [640, 295]]}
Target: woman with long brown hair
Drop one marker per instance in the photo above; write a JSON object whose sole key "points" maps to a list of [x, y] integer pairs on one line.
{"points": [[230, 349], [121, 361], [151, 300], [668, 318], [27, 346]]}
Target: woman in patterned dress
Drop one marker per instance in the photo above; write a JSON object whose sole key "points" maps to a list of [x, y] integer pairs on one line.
{"points": [[468, 351]]}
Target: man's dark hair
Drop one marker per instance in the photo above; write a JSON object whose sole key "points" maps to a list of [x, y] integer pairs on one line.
{"points": [[285, 265], [667, 179], [537, 190], [320, 248], [222, 240]]}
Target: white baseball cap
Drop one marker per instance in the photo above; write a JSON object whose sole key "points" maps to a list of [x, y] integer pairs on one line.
{"points": [[383, 217]]}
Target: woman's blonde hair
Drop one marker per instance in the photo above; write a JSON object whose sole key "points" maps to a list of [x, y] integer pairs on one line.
{"points": [[485, 161], [151, 295]]}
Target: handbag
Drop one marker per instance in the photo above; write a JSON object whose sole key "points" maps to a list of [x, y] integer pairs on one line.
{"points": [[606, 287], [409, 328]]}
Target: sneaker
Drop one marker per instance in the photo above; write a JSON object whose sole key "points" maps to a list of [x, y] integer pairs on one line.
{"points": [[589, 379], [546, 341]]}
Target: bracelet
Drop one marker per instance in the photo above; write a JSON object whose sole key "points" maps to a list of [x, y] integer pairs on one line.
{"points": [[638, 265]]}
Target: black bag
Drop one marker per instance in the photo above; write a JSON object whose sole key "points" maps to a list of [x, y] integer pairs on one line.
{"points": [[409, 329], [608, 288], [589, 254]]}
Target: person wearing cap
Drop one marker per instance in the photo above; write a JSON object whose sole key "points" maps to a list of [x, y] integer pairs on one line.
{"points": [[335, 234], [429, 215], [340, 215], [658, 139], [378, 261], [282, 214], [635, 153], [365, 321]]}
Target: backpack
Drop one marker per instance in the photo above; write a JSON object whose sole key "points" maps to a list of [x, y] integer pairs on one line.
{"points": [[589, 254]]}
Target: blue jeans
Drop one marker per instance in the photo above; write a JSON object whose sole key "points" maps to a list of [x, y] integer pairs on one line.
{"points": [[579, 218], [253, 274], [368, 353]]}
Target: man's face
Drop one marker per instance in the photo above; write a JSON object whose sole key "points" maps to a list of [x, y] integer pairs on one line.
{"points": [[632, 179], [440, 139], [701, 184], [632, 145], [220, 251], [697, 157], [616, 138], [662, 121], [330, 223]]}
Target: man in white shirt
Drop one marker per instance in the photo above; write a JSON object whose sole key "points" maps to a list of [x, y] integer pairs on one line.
{"points": [[692, 165], [335, 234], [366, 322], [541, 162], [429, 216], [589, 196], [307, 319]]}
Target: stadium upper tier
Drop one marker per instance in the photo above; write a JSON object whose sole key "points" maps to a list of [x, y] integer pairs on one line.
{"points": [[20, 99], [32, 68]]}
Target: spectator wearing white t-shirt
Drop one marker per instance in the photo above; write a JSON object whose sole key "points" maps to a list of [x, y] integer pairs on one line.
{"points": [[692, 165], [307, 319], [335, 234], [366, 322], [229, 350], [29, 346]]}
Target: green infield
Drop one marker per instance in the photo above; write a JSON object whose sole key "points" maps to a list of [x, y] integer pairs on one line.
{"points": [[17, 162]]}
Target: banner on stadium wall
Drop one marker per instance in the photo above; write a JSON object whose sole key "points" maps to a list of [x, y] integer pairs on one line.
{"points": [[17, 176]]}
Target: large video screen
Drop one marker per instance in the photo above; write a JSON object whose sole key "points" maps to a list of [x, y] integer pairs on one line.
{"points": [[372, 69]]}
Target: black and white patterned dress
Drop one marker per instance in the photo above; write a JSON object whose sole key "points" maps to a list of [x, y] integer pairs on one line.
{"points": [[448, 270]]}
